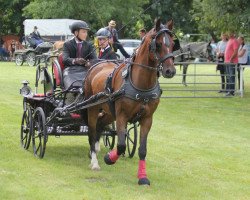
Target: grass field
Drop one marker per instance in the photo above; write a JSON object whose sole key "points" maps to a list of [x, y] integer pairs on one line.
{"points": [[197, 149]]}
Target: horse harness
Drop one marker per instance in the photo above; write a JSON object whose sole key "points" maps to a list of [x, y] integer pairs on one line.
{"points": [[129, 90]]}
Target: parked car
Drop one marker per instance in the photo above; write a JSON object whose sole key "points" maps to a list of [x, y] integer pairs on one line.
{"points": [[129, 45]]}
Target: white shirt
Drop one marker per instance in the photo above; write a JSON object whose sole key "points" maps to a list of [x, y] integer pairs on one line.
{"points": [[221, 47], [243, 59]]}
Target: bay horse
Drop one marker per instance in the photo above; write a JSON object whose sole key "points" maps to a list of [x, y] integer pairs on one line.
{"points": [[58, 45], [138, 81]]}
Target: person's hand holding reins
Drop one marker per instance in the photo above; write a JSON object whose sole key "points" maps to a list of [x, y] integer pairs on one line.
{"points": [[80, 61]]}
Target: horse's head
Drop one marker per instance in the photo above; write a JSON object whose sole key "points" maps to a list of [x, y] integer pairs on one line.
{"points": [[161, 48], [209, 52]]}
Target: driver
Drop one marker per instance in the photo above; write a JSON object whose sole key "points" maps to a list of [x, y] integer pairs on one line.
{"points": [[76, 53]]}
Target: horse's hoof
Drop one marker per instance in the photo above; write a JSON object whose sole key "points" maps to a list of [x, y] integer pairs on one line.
{"points": [[143, 181], [95, 167], [107, 160]]}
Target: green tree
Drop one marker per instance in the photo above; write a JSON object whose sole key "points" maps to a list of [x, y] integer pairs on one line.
{"points": [[176, 9], [96, 12], [11, 19], [214, 16]]}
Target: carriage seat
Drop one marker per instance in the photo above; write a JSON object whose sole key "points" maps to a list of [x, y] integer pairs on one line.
{"points": [[58, 68]]}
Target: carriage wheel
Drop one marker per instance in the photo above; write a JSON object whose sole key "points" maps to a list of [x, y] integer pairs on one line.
{"points": [[19, 60], [131, 138], [39, 136], [26, 128], [31, 59], [109, 140]]}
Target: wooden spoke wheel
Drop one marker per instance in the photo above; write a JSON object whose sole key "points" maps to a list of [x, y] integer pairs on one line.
{"points": [[26, 127], [31, 59], [19, 59], [39, 135], [131, 139], [109, 138]]}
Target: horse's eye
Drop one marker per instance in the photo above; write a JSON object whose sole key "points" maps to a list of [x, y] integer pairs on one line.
{"points": [[158, 46]]}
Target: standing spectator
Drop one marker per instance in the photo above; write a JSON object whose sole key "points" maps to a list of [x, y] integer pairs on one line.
{"points": [[242, 56], [231, 58], [105, 50], [220, 51], [114, 39], [36, 36], [142, 33]]}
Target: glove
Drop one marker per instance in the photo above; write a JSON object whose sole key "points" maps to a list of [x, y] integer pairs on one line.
{"points": [[80, 61]]}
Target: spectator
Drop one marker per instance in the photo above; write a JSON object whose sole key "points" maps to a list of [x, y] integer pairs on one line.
{"points": [[231, 58], [242, 56], [114, 39], [142, 33], [105, 50], [36, 36], [76, 52], [220, 51]]}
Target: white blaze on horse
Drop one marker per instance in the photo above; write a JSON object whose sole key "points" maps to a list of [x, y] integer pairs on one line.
{"points": [[136, 94]]}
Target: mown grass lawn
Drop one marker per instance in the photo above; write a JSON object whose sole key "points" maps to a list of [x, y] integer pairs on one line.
{"points": [[197, 149]]}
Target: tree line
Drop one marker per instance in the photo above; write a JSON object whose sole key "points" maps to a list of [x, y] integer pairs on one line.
{"points": [[195, 16]]}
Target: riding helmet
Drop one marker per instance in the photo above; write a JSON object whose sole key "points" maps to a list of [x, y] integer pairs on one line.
{"points": [[78, 25], [103, 33]]}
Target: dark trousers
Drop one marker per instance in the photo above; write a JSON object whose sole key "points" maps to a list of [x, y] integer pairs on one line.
{"points": [[118, 45], [230, 77], [222, 69]]}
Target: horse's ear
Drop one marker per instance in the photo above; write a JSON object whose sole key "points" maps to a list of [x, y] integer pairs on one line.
{"points": [[157, 25], [170, 24]]}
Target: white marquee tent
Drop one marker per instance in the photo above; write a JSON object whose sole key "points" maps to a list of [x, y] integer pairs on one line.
{"points": [[49, 27]]}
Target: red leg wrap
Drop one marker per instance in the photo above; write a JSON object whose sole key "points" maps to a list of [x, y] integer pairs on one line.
{"points": [[142, 169], [113, 155]]}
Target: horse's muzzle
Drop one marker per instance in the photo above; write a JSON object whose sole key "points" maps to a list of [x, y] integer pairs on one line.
{"points": [[168, 72]]}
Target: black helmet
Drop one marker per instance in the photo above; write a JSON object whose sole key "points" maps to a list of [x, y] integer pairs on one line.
{"points": [[103, 33], [78, 25]]}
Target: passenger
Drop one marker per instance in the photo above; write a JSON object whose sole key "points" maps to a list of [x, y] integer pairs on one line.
{"points": [[36, 36], [76, 53], [105, 50], [114, 39]]}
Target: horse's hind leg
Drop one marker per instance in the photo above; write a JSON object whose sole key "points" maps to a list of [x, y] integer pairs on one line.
{"points": [[94, 165], [142, 151], [113, 156]]}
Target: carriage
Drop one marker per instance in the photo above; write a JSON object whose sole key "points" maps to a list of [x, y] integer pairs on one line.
{"points": [[127, 92], [30, 53], [41, 117]]}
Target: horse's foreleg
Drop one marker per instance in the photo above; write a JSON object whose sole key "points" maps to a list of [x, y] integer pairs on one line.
{"points": [[113, 156], [142, 151], [185, 67], [94, 165]]}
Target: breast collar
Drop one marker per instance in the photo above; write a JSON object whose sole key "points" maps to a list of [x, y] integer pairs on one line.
{"points": [[134, 93]]}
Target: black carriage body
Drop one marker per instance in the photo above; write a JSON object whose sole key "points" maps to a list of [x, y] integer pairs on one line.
{"points": [[42, 117]]}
